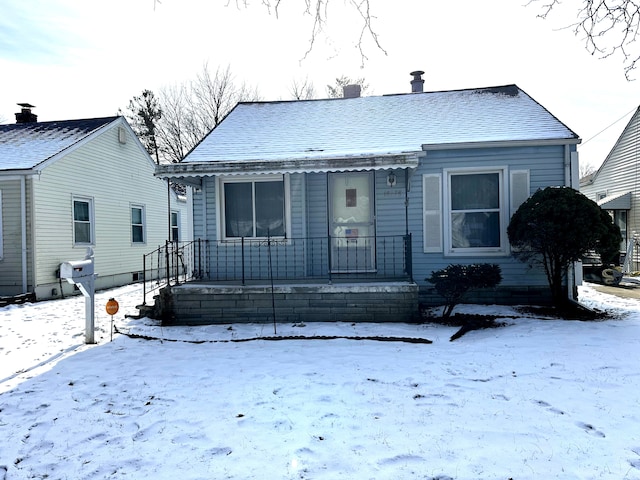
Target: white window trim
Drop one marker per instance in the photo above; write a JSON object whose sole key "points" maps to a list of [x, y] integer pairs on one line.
{"points": [[144, 223], [499, 251], [92, 222], [177, 212], [220, 220]]}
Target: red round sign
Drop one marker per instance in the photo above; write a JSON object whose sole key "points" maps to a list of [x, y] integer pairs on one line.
{"points": [[112, 306]]}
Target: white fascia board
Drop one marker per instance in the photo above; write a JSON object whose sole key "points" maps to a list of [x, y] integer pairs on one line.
{"points": [[501, 144]]}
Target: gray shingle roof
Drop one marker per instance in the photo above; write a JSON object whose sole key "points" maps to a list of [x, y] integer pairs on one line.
{"points": [[24, 146], [392, 124]]}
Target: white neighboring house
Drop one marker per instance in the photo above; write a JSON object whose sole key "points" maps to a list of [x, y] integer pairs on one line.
{"points": [[615, 186], [69, 185]]}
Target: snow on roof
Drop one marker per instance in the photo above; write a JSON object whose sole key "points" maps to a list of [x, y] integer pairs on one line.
{"points": [[26, 145], [382, 125], [620, 201]]}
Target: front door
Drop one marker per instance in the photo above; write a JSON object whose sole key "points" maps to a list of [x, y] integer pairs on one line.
{"points": [[351, 217]]}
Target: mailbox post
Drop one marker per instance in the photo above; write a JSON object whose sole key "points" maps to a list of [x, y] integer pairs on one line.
{"points": [[81, 273]]}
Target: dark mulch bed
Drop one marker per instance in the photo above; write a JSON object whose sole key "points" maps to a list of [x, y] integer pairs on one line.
{"points": [[567, 312], [469, 322], [466, 321]]}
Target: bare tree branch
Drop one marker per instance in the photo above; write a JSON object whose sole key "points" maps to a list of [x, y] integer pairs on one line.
{"points": [[173, 131], [191, 110], [608, 27], [318, 10], [302, 89]]}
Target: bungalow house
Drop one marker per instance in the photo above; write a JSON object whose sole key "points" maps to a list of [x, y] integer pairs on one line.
{"points": [[614, 186], [339, 209], [69, 185]]}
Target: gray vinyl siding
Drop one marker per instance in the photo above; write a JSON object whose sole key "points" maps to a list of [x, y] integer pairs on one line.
{"points": [[396, 211], [11, 262], [545, 165], [390, 204], [316, 190]]}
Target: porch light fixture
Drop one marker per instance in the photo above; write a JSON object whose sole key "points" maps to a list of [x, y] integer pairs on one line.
{"points": [[391, 179]]}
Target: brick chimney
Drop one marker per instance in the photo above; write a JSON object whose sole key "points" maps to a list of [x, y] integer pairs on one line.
{"points": [[351, 91], [417, 83], [25, 115]]}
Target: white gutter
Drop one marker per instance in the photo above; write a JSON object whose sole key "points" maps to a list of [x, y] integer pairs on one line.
{"points": [[501, 144], [575, 170]]}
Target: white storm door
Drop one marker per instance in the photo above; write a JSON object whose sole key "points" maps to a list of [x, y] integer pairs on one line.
{"points": [[351, 222]]}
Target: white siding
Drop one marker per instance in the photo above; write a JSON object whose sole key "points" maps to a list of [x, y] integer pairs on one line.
{"points": [[114, 175], [620, 173]]}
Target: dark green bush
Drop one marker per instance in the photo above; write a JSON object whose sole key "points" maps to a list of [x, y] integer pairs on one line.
{"points": [[557, 226], [453, 282]]}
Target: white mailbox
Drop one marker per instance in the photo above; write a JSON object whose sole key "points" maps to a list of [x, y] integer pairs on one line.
{"points": [[73, 270], [81, 273]]}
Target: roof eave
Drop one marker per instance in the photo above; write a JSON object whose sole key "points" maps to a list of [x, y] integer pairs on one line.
{"points": [[501, 144], [303, 165], [17, 173]]}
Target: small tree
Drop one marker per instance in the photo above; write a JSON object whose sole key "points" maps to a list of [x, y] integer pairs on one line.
{"points": [[453, 282], [556, 227], [143, 114]]}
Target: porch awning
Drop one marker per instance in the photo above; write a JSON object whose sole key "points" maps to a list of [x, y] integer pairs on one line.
{"points": [[621, 201], [304, 165]]}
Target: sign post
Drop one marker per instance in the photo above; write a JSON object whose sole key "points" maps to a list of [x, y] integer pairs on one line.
{"points": [[112, 308]]}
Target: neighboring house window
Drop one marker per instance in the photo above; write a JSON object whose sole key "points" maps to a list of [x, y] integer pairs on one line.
{"points": [[466, 211], [175, 227], [137, 224], [83, 229], [600, 196], [254, 208]]}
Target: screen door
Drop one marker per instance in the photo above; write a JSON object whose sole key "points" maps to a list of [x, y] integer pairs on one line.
{"points": [[351, 218]]}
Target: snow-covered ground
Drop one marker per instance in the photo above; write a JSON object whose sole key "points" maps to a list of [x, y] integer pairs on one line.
{"points": [[537, 399]]}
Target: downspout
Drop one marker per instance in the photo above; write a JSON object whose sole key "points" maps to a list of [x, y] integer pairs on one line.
{"points": [[23, 232], [169, 210], [406, 201], [574, 273]]}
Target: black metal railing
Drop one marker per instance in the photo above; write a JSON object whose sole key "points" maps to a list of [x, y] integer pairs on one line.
{"points": [[292, 259], [174, 263], [331, 258]]}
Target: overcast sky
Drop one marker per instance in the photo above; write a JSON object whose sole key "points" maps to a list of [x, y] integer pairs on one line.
{"points": [[80, 59]]}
